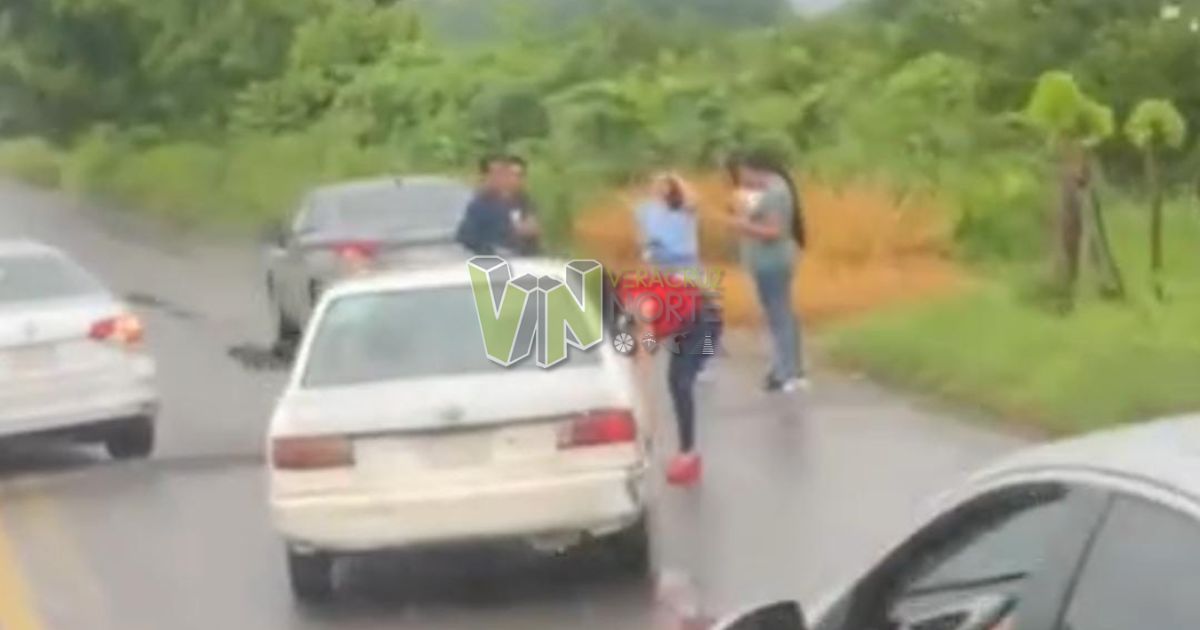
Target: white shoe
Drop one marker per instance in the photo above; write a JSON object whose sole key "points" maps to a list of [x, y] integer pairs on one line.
{"points": [[796, 385]]}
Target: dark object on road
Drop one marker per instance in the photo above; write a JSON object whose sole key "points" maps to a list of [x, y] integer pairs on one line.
{"points": [[348, 228], [275, 358]]}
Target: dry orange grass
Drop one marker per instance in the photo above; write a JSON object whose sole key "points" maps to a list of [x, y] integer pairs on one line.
{"points": [[866, 248]]}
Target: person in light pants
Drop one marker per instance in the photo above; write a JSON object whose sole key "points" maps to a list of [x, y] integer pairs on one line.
{"points": [[766, 213]]}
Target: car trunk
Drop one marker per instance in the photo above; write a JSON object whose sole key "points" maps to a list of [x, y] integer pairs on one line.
{"points": [[350, 252], [495, 427], [47, 355]]}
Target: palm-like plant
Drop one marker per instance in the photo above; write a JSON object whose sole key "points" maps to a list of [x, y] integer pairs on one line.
{"points": [[1074, 124], [1156, 125]]}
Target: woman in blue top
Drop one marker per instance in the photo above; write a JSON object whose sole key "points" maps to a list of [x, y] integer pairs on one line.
{"points": [[667, 225]]}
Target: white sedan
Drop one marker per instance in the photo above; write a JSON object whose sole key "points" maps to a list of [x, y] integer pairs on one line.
{"points": [[1099, 532], [71, 359], [396, 431]]}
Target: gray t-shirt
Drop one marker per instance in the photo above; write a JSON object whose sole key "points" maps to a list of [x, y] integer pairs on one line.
{"points": [[777, 253]]}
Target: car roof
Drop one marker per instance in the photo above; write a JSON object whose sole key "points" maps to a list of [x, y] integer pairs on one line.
{"points": [[438, 274], [16, 247], [375, 183], [1164, 453]]}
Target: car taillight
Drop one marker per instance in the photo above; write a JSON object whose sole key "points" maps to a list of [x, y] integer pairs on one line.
{"points": [[311, 453], [356, 252], [124, 329], [598, 428]]}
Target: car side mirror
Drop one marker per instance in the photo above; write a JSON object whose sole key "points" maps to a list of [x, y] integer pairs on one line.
{"points": [[778, 616]]}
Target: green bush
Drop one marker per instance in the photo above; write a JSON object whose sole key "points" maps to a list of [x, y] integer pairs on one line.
{"points": [[180, 180], [1108, 363], [89, 166], [1003, 209], [32, 160]]}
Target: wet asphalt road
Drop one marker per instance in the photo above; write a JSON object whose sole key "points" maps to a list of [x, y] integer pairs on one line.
{"points": [[798, 491]]}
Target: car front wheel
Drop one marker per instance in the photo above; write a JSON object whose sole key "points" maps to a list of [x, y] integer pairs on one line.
{"points": [[286, 331], [131, 439], [311, 576]]}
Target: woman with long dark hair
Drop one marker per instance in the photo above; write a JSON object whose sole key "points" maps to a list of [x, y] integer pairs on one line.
{"points": [[767, 214]]}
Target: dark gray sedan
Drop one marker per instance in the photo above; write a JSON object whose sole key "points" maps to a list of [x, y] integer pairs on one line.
{"points": [[352, 227]]}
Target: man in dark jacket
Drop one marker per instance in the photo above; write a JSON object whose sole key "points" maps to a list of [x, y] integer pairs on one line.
{"points": [[500, 219]]}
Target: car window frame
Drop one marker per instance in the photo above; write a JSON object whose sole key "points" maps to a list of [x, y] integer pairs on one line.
{"points": [[302, 223], [96, 286], [1161, 496], [1048, 589]]}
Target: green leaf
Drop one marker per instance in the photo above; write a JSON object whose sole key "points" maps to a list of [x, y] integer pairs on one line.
{"points": [[1156, 123]]}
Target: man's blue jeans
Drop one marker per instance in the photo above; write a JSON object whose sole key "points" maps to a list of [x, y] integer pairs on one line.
{"points": [[775, 294]]}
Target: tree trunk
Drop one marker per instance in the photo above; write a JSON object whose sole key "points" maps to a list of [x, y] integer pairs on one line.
{"points": [[1156, 223], [1113, 285], [1070, 232]]}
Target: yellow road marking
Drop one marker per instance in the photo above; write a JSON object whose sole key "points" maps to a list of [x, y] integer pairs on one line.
{"points": [[17, 609]]}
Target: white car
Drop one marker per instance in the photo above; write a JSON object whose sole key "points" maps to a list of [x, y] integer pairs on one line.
{"points": [[71, 358], [396, 431], [1099, 532]]}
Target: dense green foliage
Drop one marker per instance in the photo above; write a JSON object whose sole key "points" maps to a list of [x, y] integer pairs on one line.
{"points": [[228, 107]]}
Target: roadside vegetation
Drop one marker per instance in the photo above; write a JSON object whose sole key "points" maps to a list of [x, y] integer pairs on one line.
{"points": [[1018, 176]]}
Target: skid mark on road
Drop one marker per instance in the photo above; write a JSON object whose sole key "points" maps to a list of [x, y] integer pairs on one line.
{"points": [[17, 609]]}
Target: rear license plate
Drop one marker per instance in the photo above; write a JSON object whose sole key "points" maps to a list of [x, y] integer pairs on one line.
{"points": [[32, 360], [458, 451]]}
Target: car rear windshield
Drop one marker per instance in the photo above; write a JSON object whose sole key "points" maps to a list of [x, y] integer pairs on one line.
{"points": [[395, 209], [30, 277], [405, 334]]}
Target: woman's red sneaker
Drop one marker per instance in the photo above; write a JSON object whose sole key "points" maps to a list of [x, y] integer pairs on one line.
{"points": [[684, 469]]}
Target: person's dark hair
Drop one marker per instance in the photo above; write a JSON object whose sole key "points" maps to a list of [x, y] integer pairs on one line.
{"points": [[488, 161], [762, 160]]}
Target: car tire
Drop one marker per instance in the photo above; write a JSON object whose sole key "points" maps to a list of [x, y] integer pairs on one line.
{"points": [[286, 331], [131, 439], [310, 576], [630, 548]]}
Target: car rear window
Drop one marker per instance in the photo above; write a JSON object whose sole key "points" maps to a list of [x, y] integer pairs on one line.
{"points": [[412, 207], [28, 277], [405, 334]]}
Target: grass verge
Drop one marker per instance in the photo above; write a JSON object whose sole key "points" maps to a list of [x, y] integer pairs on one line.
{"points": [[1105, 364]]}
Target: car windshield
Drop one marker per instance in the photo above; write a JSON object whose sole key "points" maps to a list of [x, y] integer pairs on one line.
{"points": [[404, 334], [408, 208], [41, 277]]}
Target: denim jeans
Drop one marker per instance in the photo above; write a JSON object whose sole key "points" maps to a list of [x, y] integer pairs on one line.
{"points": [[696, 347], [775, 294]]}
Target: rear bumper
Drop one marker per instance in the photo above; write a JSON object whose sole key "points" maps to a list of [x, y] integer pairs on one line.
{"points": [[29, 411], [593, 504]]}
